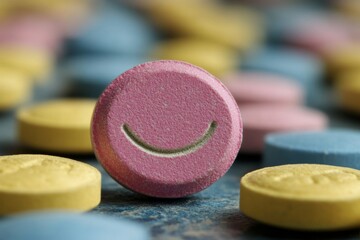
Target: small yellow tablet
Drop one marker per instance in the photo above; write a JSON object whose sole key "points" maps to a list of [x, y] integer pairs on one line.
{"points": [[213, 57], [57, 126], [348, 89], [15, 88], [350, 8], [41, 182], [37, 64], [346, 58], [241, 28], [303, 196]]}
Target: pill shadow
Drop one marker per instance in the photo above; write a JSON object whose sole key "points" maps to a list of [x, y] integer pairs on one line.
{"points": [[120, 196], [250, 229]]}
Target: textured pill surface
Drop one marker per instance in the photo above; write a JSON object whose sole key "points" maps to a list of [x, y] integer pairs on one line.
{"points": [[333, 147], [70, 226], [255, 88], [303, 196], [260, 120], [36, 182], [61, 125], [166, 129]]}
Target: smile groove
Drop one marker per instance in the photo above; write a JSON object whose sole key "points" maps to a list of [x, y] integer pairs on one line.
{"points": [[164, 152]]}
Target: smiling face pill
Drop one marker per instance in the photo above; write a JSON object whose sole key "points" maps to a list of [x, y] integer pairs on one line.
{"points": [[303, 196], [38, 182], [166, 129]]}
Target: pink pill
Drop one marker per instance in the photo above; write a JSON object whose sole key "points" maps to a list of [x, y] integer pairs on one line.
{"points": [[260, 120], [321, 35], [166, 129], [260, 88], [32, 31]]}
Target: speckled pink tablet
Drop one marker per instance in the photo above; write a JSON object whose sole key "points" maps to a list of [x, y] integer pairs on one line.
{"points": [[260, 120], [166, 129], [260, 88]]}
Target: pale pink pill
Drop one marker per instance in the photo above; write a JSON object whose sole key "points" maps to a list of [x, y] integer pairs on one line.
{"points": [[36, 32], [260, 120], [260, 88], [166, 129]]}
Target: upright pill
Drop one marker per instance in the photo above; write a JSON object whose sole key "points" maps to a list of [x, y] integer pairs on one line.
{"points": [[166, 129]]}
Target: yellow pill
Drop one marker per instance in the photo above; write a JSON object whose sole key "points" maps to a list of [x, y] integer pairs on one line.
{"points": [[15, 88], [57, 126], [349, 8], [348, 88], [39, 182], [241, 29], [215, 58], [35, 63], [303, 196], [343, 59]]}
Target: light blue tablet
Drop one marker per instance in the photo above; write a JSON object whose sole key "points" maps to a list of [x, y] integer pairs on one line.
{"points": [[90, 75], [332, 147]]}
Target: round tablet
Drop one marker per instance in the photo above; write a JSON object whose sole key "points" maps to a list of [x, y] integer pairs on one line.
{"points": [[215, 58], [15, 88], [348, 89], [260, 120], [38, 182], [263, 88], [235, 26], [73, 226], [333, 147], [304, 68], [57, 126], [350, 8], [34, 63], [114, 30], [303, 196], [166, 129], [31, 31], [343, 59], [90, 75]]}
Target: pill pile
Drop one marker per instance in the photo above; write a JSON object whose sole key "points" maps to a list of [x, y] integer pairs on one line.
{"points": [[172, 119]]}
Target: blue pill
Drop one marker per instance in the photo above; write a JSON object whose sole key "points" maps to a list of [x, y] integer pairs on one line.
{"points": [[332, 147], [302, 67], [69, 226], [114, 30], [90, 75]]}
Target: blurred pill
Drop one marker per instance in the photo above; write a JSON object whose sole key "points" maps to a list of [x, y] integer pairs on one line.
{"points": [[260, 120], [213, 57], [37, 64], [114, 31], [348, 89], [90, 75], [304, 68], [263, 88], [15, 88], [237, 27]]}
